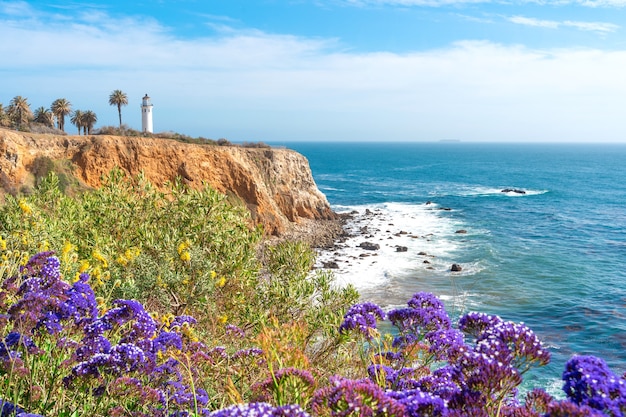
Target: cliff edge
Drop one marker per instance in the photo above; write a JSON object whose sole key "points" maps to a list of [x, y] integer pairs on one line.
{"points": [[275, 184]]}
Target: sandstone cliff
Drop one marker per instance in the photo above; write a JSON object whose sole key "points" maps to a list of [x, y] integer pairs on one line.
{"points": [[275, 184]]}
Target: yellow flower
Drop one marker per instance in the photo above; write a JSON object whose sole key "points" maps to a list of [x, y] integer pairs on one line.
{"points": [[186, 281], [160, 283], [223, 319], [97, 255], [221, 282], [67, 248], [167, 319], [132, 253], [185, 256], [84, 266], [3, 244], [26, 208], [189, 333], [213, 274], [183, 246], [122, 260]]}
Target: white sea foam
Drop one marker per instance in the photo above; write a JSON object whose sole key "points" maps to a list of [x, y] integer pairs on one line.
{"points": [[490, 191], [428, 235]]}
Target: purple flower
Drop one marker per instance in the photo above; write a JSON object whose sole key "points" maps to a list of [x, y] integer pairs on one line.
{"points": [[445, 344], [590, 382], [348, 397], [260, 410], [143, 326], [362, 318], [179, 321], [424, 313], [235, 331], [8, 409], [127, 357], [390, 378], [92, 345], [167, 340], [419, 404], [81, 304]]}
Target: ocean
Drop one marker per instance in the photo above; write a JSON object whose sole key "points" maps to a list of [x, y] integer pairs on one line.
{"points": [[550, 252]]}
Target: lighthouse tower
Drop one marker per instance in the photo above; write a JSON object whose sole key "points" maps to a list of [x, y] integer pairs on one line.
{"points": [[146, 115]]}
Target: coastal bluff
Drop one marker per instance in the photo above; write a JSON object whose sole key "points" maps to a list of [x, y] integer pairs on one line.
{"points": [[275, 184]]}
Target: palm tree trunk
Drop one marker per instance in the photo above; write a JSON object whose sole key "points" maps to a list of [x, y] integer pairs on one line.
{"points": [[119, 111]]}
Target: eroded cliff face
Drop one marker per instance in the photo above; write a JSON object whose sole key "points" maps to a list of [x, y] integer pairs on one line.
{"points": [[275, 184]]}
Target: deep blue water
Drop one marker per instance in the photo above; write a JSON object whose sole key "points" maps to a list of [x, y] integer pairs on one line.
{"points": [[552, 258]]}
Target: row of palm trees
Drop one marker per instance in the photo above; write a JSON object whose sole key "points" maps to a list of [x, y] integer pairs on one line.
{"points": [[18, 113]]}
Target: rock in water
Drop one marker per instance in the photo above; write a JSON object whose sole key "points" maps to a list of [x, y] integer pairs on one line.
{"points": [[369, 246], [513, 190]]}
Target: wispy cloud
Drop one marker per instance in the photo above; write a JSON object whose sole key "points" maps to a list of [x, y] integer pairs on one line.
{"points": [[251, 85], [443, 3], [600, 27]]}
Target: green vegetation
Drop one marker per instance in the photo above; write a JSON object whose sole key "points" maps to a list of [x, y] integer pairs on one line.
{"points": [[180, 252]]}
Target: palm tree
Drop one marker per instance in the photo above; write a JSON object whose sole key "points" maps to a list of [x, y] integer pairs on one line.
{"points": [[44, 116], [78, 119], [118, 98], [61, 108], [89, 119], [19, 111]]}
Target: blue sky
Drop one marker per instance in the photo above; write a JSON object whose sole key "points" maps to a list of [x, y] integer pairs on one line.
{"points": [[282, 70]]}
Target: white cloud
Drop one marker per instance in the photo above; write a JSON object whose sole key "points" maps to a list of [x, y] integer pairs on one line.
{"points": [[600, 27], [443, 3], [256, 86]]}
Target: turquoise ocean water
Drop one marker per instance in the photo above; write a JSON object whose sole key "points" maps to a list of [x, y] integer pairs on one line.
{"points": [[553, 257]]}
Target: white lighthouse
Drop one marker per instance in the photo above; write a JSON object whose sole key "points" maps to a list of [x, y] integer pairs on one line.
{"points": [[146, 115]]}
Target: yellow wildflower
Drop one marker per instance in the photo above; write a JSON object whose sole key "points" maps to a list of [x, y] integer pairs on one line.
{"points": [[97, 255], [84, 266], [185, 256], [182, 247], [132, 253], [67, 248], [160, 283], [223, 319], [213, 274], [167, 319], [186, 281], [122, 260], [189, 333], [26, 208], [221, 282]]}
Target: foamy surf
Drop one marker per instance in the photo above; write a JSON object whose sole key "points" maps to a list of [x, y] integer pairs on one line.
{"points": [[387, 240], [507, 191]]}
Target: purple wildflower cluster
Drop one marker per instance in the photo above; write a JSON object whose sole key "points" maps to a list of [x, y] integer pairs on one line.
{"points": [[590, 382], [123, 351], [362, 318], [260, 410], [429, 369], [433, 369]]}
